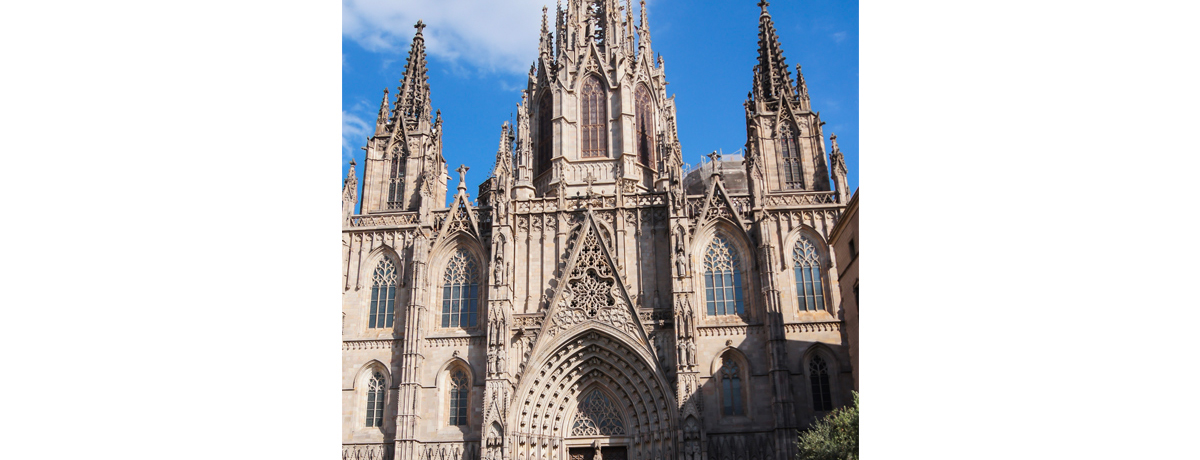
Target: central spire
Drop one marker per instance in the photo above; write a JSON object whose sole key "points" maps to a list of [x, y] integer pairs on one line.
{"points": [[412, 100], [772, 79]]}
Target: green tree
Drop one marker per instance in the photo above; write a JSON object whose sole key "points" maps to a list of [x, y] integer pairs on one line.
{"points": [[834, 437]]}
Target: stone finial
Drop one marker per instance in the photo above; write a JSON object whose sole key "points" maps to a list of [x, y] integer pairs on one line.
{"points": [[764, 4], [462, 177], [420, 26], [833, 138]]}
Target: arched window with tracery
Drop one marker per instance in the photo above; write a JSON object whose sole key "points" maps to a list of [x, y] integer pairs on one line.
{"points": [[809, 288], [597, 417], [645, 126], [731, 389], [375, 392], [460, 291], [722, 278], [459, 388], [545, 136], [789, 151], [383, 294], [818, 379], [595, 126], [395, 184]]}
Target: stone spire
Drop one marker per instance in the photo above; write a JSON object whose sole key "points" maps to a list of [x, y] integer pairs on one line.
{"points": [[643, 28], [382, 121], [412, 102], [504, 154], [772, 80], [350, 184], [839, 170], [545, 41]]}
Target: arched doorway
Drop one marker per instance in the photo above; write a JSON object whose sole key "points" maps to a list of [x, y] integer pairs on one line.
{"points": [[626, 406], [598, 429]]}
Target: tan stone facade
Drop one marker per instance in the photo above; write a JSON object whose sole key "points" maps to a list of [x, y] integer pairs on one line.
{"points": [[589, 304]]}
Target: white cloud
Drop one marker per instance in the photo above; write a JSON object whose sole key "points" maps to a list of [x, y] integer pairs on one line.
{"points": [[489, 35], [486, 34], [839, 36], [354, 132]]}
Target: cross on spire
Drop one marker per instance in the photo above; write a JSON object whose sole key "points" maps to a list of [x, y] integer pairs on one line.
{"points": [[764, 4], [420, 26]]}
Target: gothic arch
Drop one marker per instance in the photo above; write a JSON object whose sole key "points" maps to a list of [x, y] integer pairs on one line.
{"points": [[834, 366], [744, 372], [544, 124], [439, 258], [790, 291], [361, 387], [364, 370], [645, 125], [366, 281], [572, 414], [793, 237], [578, 360], [603, 113], [734, 353], [442, 384], [740, 242], [439, 379]]}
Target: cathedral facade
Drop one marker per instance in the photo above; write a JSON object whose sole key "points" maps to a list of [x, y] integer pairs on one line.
{"points": [[587, 304]]}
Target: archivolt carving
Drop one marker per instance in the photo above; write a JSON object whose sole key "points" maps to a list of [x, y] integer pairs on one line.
{"points": [[545, 397]]}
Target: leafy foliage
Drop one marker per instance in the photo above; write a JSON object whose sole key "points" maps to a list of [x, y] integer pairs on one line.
{"points": [[834, 437]]}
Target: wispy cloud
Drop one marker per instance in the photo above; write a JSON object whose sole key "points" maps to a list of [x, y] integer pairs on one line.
{"points": [[354, 131], [838, 37], [490, 35]]}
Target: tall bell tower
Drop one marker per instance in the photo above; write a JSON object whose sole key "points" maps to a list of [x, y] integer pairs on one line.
{"points": [[595, 112], [404, 167], [785, 149]]}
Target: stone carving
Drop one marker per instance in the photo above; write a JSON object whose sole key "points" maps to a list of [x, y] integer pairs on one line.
{"points": [[592, 292]]}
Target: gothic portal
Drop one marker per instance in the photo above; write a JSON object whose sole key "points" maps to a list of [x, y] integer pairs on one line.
{"points": [[601, 302]]}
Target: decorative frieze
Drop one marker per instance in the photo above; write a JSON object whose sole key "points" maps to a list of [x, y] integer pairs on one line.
{"points": [[386, 220], [375, 451], [822, 326], [454, 341], [802, 199], [372, 344], [717, 331]]}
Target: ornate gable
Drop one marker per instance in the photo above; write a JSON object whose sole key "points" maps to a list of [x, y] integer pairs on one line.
{"points": [[592, 290], [718, 205], [460, 219]]}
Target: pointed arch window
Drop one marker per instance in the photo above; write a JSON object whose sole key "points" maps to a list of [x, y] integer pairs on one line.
{"points": [[458, 397], [818, 379], [597, 417], [375, 388], [809, 288], [722, 278], [789, 151], [545, 136], [645, 126], [595, 132], [731, 389], [395, 184], [460, 291], [383, 294]]}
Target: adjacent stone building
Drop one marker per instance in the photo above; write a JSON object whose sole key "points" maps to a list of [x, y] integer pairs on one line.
{"points": [[587, 303]]}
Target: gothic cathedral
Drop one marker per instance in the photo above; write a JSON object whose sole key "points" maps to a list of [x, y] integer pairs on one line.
{"points": [[597, 300]]}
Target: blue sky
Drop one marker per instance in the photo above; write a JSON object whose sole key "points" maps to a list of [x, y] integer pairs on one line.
{"points": [[480, 53]]}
